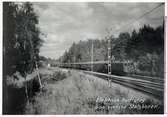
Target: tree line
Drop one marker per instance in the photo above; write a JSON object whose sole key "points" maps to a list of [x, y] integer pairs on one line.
{"points": [[144, 47]]}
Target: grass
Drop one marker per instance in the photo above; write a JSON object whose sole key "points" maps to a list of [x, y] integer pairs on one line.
{"points": [[71, 92]]}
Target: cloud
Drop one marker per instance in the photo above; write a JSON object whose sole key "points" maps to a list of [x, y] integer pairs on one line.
{"points": [[65, 23]]}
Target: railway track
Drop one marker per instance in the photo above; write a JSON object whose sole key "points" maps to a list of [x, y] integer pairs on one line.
{"points": [[153, 79], [155, 89]]}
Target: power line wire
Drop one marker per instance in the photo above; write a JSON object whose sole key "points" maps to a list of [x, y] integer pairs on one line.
{"points": [[135, 20]]}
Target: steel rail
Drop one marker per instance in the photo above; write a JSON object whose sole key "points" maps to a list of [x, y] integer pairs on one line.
{"points": [[154, 87], [135, 84], [147, 77], [124, 77], [127, 79], [136, 87]]}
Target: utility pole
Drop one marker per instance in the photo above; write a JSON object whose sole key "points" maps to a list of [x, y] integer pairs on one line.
{"points": [[92, 58], [74, 59], [109, 57]]}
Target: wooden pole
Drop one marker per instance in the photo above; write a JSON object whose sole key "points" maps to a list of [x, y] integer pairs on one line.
{"points": [[38, 75], [26, 91], [92, 58]]}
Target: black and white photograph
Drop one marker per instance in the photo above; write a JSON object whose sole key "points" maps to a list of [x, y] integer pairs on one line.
{"points": [[83, 58]]}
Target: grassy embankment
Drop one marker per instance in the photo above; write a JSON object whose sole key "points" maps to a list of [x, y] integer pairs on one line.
{"points": [[70, 92]]}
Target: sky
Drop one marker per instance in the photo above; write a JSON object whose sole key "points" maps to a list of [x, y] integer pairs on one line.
{"points": [[65, 23]]}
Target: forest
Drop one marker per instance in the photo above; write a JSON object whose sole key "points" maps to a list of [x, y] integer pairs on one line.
{"points": [[144, 47]]}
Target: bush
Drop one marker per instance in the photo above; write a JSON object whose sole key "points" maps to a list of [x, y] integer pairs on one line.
{"points": [[59, 76]]}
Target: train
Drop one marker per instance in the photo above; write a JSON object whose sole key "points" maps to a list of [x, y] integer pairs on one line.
{"points": [[117, 68]]}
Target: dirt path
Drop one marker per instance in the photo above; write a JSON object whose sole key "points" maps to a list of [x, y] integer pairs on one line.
{"points": [[79, 93]]}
